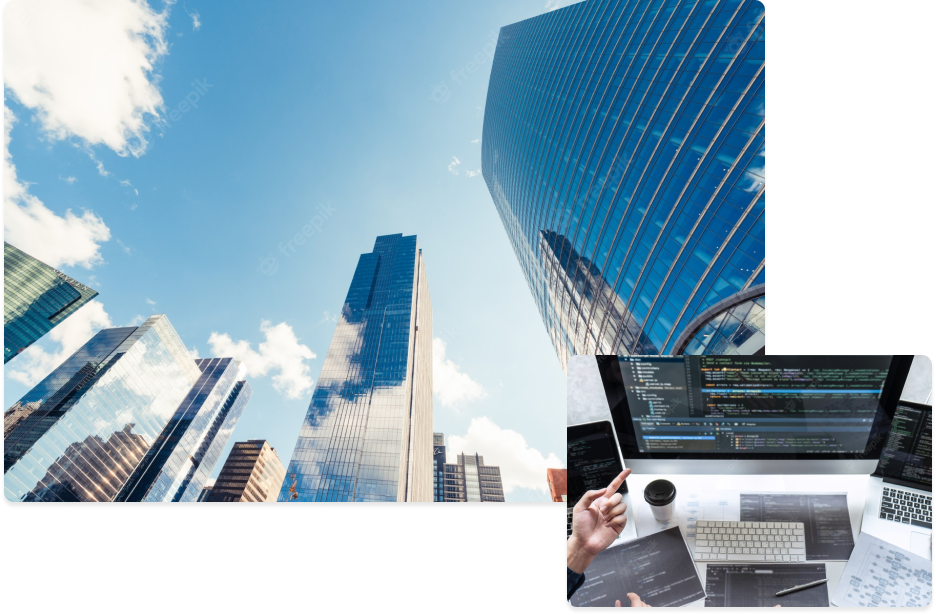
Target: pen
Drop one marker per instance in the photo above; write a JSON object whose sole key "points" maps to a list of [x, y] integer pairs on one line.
{"points": [[799, 587]]}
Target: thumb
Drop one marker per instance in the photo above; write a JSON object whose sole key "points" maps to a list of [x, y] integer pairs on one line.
{"points": [[634, 598]]}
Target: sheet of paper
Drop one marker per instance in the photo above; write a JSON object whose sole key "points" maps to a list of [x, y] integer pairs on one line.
{"points": [[658, 568], [880, 574], [691, 505], [756, 585], [827, 528]]}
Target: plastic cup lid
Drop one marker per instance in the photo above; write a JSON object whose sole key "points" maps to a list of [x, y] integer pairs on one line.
{"points": [[660, 492]]}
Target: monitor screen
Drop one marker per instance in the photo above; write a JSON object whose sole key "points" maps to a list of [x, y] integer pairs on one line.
{"points": [[740, 406], [593, 459], [908, 452]]}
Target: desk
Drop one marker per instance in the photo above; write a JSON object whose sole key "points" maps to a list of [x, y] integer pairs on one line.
{"points": [[854, 485]]}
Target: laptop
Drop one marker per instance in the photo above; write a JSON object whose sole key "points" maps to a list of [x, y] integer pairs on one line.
{"points": [[899, 506], [594, 460]]}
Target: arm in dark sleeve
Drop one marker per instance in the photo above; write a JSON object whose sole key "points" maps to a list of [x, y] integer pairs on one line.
{"points": [[574, 580]]}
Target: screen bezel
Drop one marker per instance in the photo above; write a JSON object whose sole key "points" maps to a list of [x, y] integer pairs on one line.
{"points": [[577, 432], [613, 382], [903, 482]]}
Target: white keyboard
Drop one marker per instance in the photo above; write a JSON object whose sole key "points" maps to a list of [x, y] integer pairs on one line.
{"points": [[749, 541]]}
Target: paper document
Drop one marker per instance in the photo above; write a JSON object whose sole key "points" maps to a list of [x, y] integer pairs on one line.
{"points": [[825, 517], [691, 506], [756, 585], [658, 568], [880, 574]]}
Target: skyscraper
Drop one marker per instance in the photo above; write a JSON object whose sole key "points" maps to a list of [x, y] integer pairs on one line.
{"points": [[252, 472], [469, 480], [368, 431], [80, 433], [438, 467], [178, 463], [36, 297], [623, 146]]}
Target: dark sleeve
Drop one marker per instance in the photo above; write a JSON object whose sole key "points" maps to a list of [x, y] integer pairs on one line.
{"points": [[574, 580]]}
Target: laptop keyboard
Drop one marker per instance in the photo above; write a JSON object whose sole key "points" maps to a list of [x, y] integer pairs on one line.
{"points": [[906, 507], [750, 541]]}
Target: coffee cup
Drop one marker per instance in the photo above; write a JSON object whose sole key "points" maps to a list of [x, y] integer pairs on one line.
{"points": [[661, 496]]}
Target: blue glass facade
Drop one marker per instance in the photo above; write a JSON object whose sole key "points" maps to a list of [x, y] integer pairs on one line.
{"points": [[36, 298], [438, 467], [367, 435], [623, 147], [179, 462], [80, 433]]}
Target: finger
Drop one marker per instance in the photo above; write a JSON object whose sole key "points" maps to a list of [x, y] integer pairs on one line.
{"points": [[617, 603], [620, 509], [617, 523], [610, 503], [634, 599], [619, 479], [587, 500]]}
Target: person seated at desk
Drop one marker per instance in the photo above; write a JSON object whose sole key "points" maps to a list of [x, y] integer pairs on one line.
{"points": [[597, 521]]}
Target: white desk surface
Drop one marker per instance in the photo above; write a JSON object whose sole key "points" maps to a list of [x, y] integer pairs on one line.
{"points": [[854, 485]]}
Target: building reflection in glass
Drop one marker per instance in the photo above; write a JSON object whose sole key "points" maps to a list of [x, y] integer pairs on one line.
{"points": [[367, 435], [81, 432]]}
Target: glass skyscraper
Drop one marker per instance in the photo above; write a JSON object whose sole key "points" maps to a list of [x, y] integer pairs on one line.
{"points": [[178, 463], [623, 147], [36, 297], [367, 435], [438, 467], [80, 433]]}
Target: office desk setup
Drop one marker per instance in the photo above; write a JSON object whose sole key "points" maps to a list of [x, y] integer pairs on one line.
{"points": [[822, 513]]}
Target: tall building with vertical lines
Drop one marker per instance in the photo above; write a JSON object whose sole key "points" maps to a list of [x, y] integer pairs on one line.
{"points": [[469, 480], [36, 298], [367, 435], [438, 467], [81, 432], [252, 472], [623, 147], [179, 462]]}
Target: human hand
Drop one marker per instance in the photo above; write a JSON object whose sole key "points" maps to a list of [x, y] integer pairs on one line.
{"points": [[635, 601], [597, 521]]}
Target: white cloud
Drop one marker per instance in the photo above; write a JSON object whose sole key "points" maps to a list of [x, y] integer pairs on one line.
{"points": [[473, 173], [150, 301], [35, 229], [193, 351], [453, 166], [280, 352], [475, 141], [328, 317], [70, 179], [136, 321], [126, 184], [452, 386], [35, 363], [521, 465], [196, 21], [87, 68]]}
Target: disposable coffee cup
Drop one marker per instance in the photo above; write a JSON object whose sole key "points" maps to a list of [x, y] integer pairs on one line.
{"points": [[661, 496]]}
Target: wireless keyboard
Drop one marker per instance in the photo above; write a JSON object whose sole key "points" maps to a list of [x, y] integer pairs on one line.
{"points": [[749, 541]]}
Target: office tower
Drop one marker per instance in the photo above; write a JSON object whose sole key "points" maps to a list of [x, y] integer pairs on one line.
{"points": [[81, 432], [469, 480], [253, 472], [178, 463], [558, 485], [36, 297], [368, 431], [438, 467], [623, 146], [206, 490]]}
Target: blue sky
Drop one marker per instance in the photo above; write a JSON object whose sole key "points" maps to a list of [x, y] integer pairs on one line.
{"points": [[360, 119]]}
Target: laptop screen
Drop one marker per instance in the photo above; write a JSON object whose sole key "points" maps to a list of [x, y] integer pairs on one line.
{"points": [[593, 459], [908, 453]]}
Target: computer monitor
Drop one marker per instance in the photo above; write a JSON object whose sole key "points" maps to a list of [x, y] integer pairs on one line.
{"points": [[765, 414]]}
